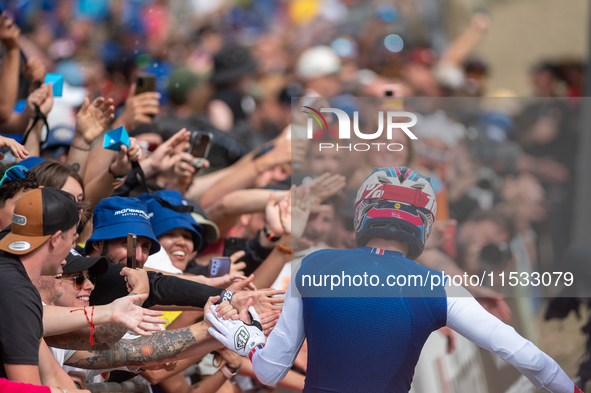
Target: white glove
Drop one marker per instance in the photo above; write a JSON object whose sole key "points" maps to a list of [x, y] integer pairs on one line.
{"points": [[236, 335]]}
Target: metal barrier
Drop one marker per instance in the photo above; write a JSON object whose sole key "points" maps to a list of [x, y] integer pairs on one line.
{"points": [[113, 387]]}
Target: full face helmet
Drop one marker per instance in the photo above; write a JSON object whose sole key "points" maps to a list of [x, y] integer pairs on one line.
{"points": [[395, 203]]}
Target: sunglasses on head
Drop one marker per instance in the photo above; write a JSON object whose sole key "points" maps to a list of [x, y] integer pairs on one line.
{"points": [[13, 173], [79, 280]]}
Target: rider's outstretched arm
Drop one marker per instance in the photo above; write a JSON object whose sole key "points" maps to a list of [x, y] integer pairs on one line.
{"points": [[467, 317], [272, 362]]}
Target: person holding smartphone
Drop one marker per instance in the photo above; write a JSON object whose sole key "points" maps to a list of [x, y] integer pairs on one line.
{"points": [[191, 162]]}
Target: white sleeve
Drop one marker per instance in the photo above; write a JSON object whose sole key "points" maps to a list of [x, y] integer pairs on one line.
{"points": [[467, 317], [272, 362]]}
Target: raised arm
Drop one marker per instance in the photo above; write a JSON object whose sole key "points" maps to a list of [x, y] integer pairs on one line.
{"points": [[149, 350], [9, 35], [123, 311], [139, 109], [104, 336], [461, 47], [226, 211], [244, 174], [293, 213], [102, 186], [177, 344], [91, 120], [467, 317]]}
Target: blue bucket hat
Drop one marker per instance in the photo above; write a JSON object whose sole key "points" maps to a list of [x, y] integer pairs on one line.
{"points": [[165, 220], [115, 217], [32, 162], [208, 229]]}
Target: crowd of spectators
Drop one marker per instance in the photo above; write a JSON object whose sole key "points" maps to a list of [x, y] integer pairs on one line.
{"points": [[503, 169]]}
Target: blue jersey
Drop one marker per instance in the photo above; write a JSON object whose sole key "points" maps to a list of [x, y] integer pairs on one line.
{"points": [[367, 313], [381, 349]]}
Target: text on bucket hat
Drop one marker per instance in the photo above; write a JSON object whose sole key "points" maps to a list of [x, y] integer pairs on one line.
{"points": [[115, 217], [38, 214]]}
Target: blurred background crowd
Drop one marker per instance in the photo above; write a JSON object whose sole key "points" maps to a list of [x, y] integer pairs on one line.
{"points": [[501, 155]]}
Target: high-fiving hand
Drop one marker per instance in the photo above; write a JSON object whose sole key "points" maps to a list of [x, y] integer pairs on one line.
{"points": [[236, 335]]}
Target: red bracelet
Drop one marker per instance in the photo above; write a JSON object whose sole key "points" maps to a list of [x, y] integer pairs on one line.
{"points": [[90, 322]]}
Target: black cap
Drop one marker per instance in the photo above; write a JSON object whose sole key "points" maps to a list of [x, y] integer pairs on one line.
{"points": [[230, 64], [75, 263]]}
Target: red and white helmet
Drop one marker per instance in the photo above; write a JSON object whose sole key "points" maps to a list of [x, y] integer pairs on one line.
{"points": [[395, 203]]}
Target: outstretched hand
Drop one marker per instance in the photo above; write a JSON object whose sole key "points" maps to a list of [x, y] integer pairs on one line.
{"points": [[16, 148], [295, 210], [140, 109], [236, 335], [92, 119], [263, 300], [166, 156], [325, 186], [241, 285], [226, 280], [124, 312], [273, 221]]}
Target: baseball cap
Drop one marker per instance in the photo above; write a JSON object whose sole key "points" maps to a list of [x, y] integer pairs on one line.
{"points": [[58, 136], [75, 263], [38, 214], [316, 62], [115, 217], [165, 220]]}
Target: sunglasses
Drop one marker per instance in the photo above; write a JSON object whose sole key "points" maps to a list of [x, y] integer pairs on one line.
{"points": [[13, 173], [79, 280]]}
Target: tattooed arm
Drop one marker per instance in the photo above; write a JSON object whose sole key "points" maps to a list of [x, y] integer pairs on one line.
{"points": [[105, 336], [177, 344]]}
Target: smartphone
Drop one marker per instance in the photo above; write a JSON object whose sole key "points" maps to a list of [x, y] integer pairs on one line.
{"points": [[131, 251], [232, 245], [145, 83], [218, 266], [199, 148]]}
